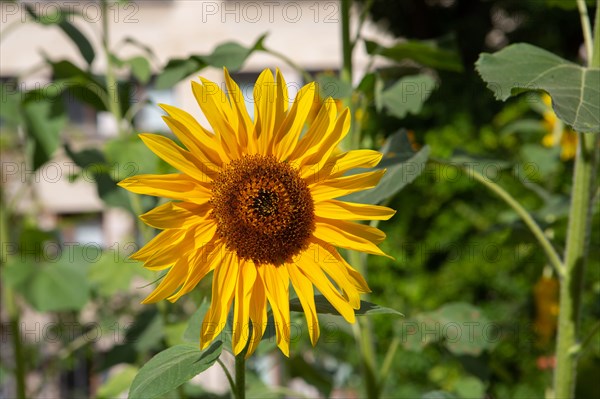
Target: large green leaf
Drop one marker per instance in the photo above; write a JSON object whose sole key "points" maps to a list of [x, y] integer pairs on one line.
{"points": [[575, 90], [113, 273], [44, 120], [117, 383], [79, 84], [172, 368], [407, 95], [192, 331], [403, 167], [140, 68], [51, 286], [230, 55], [60, 18], [322, 305], [462, 327], [427, 53]]}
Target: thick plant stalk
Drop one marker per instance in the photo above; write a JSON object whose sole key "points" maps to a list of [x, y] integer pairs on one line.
{"points": [[577, 246], [240, 375]]}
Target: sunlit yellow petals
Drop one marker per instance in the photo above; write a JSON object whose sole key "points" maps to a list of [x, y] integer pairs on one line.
{"points": [[360, 230], [337, 165], [312, 270], [169, 283], [304, 290], [277, 281], [258, 314], [255, 209], [340, 186], [289, 131], [165, 238], [352, 274], [216, 107], [175, 186], [200, 264], [317, 132], [342, 210], [340, 238], [175, 156], [325, 148], [211, 160], [171, 253], [241, 309], [245, 127], [172, 216], [338, 273], [282, 101], [265, 98], [223, 287]]}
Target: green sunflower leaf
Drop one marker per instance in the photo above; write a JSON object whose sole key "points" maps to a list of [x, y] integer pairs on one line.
{"points": [[231, 55], [44, 120], [426, 53], [522, 67], [60, 18], [407, 95], [324, 306], [403, 167], [172, 368]]}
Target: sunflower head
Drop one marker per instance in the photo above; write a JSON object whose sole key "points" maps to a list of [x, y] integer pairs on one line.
{"points": [[254, 202]]}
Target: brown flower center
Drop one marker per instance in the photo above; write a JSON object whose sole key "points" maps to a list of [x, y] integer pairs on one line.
{"points": [[263, 208]]}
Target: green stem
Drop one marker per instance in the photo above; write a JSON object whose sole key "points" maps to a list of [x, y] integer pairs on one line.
{"points": [[547, 246], [587, 30], [389, 358], [578, 237], [228, 375], [111, 81], [346, 74], [14, 315], [363, 334], [240, 375]]}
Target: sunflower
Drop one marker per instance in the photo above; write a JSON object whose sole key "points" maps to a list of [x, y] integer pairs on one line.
{"points": [[255, 204]]}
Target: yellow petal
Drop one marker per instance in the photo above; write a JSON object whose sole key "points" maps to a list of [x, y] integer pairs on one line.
{"points": [[325, 147], [245, 127], [223, 287], [365, 231], [340, 164], [333, 256], [318, 131], [169, 283], [340, 238], [170, 253], [175, 186], [173, 216], [312, 270], [175, 156], [265, 97], [305, 292], [202, 262], [289, 132], [205, 152], [340, 186], [342, 210], [282, 101], [258, 314], [277, 280], [216, 107], [167, 237], [241, 309]]}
